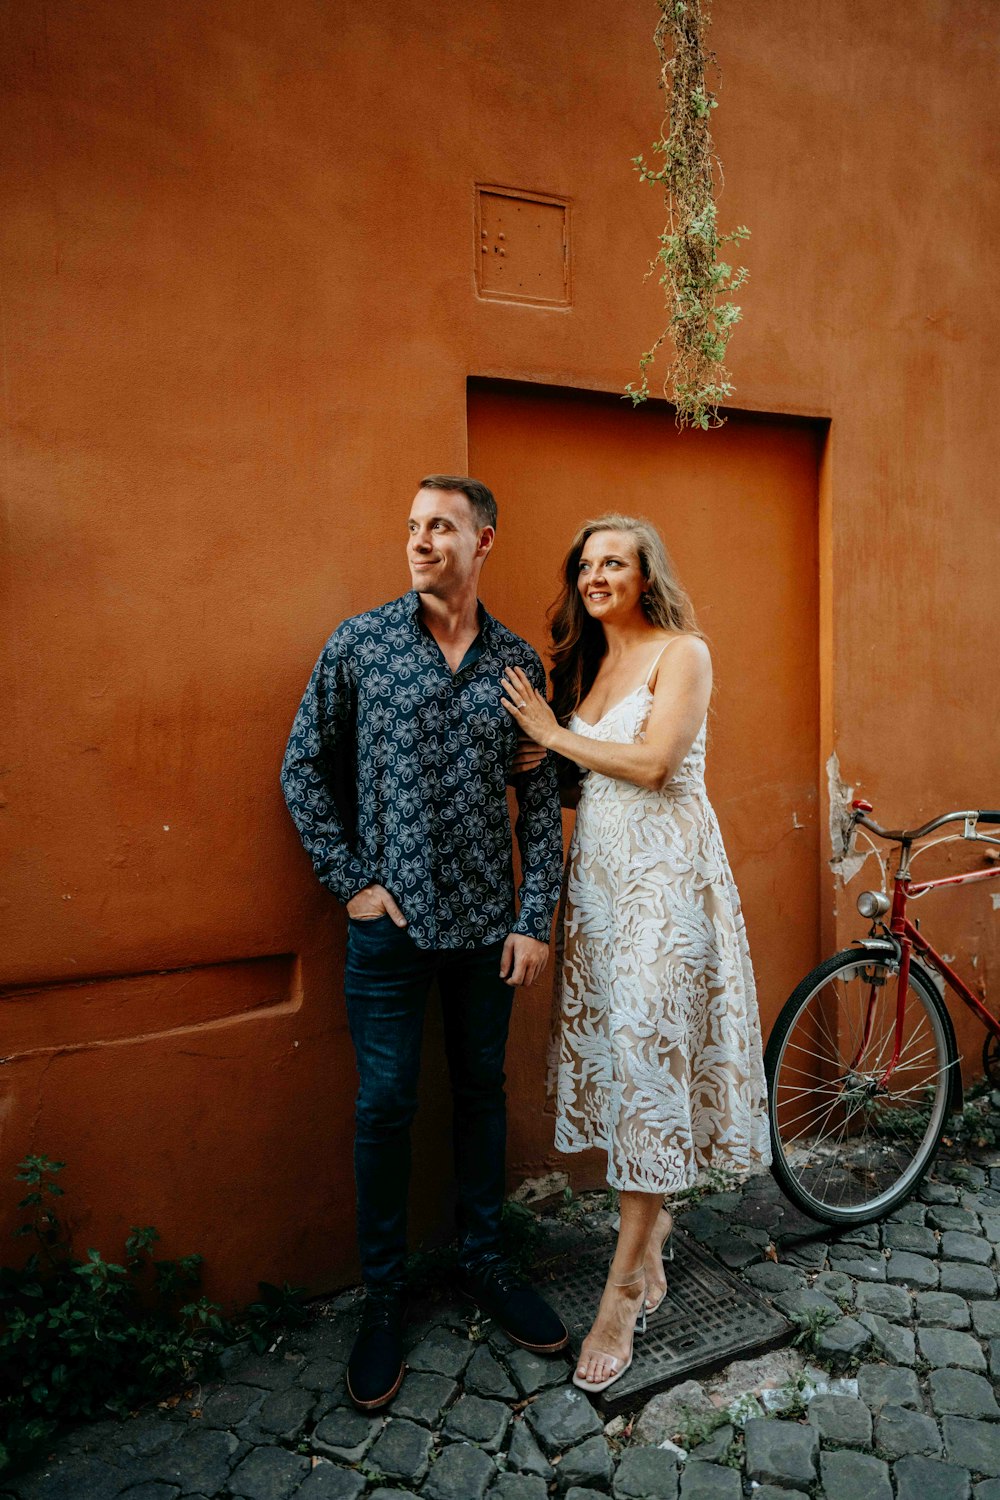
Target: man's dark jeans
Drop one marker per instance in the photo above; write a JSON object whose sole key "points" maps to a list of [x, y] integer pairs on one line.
{"points": [[387, 982]]}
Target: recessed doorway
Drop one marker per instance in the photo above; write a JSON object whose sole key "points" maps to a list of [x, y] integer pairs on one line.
{"points": [[738, 509]]}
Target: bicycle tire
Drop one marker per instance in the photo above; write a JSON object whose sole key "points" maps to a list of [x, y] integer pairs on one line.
{"points": [[869, 1146], [991, 1059]]}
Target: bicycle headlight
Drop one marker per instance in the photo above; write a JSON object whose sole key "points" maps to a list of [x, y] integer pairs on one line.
{"points": [[873, 904]]}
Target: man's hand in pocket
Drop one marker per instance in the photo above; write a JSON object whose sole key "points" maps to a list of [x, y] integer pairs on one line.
{"points": [[374, 901]]}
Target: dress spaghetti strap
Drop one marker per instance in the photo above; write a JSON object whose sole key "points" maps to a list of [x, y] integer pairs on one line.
{"points": [[656, 658]]}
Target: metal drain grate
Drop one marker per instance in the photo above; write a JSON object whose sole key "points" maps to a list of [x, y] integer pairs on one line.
{"points": [[708, 1318]]}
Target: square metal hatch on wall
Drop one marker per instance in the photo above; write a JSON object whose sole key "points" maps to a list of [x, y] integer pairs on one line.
{"points": [[708, 1318], [522, 246]]}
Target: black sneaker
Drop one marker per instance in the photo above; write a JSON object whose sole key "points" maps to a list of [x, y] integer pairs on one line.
{"points": [[375, 1369], [523, 1315]]}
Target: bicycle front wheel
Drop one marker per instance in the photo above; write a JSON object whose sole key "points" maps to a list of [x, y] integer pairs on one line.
{"points": [[849, 1144]]}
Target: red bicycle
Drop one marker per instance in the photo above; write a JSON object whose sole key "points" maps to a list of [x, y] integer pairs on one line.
{"points": [[862, 1064]]}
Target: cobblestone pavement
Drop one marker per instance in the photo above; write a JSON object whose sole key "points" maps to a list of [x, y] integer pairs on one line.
{"points": [[908, 1331]]}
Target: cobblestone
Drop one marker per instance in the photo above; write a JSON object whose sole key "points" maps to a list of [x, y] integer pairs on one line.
{"points": [[782, 1453], [736, 1251], [908, 1213], [913, 1271], [899, 1431], [710, 1482], [646, 1474], [843, 1341], [401, 1451], [328, 1482], [937, 1192], [268, 1474], [485, 1376], [960, 1393], [771, 1278], [423, 1397], [714, 1449], [865, 1235], [804, 1301], [949, 1217], [913, 1237], [888, 1385], [532, 1373], [986, 1318], [462, 1472], [666, 1413], [589, 1463], [930, 1479], [923, 1315], [889, 1341], [974, 1445], [519, 1487], [942, 1310], [525, 1455], [197, 1461], [441, 1353], [846, 1476], [967, 1280], [843, 1420], [286, 1412], [971, 1247], [943, 1346], [231, 1405], [474, 1420], [863, 1265], [561, 1418], [345, 1433], [892, 1302], [836, 1285]]}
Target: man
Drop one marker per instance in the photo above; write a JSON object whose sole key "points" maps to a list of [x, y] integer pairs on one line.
{"points": [[412, 691]]}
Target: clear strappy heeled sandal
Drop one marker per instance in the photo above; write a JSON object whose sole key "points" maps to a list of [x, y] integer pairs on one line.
{"points": [[593, 1386], [666, 1251]]}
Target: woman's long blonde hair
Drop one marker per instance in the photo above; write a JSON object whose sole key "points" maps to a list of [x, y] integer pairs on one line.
{"points": [[578, 640]]}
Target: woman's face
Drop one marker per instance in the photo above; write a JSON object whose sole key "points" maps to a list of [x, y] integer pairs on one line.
{"points": [[609, 577]]}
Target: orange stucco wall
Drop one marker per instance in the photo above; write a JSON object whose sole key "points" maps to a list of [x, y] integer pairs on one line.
{"points": [[239, 314]]}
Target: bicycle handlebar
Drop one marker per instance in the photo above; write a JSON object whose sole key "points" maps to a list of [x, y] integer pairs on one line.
{"points": [[908, 835]]}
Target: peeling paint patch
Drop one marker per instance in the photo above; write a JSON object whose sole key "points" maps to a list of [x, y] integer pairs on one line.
{"points": [[844, 865], [995, 898]]}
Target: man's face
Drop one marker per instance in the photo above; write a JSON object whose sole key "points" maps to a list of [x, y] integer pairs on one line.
{"points": [[447, 545]]}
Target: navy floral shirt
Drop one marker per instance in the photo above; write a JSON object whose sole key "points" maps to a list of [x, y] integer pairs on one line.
{"points": [[428, 753]]}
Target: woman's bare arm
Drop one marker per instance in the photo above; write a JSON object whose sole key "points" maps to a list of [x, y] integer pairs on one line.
{"points": [[680, 701]]}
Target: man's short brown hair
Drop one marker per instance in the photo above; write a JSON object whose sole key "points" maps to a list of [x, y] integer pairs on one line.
{"points": [[481, 499]]}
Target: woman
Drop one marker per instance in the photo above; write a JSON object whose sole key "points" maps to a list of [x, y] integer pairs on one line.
{"points": [[659, 1050]]}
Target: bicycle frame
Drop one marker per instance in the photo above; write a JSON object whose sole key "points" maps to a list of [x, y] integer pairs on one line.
{"points": [[910, 937]]}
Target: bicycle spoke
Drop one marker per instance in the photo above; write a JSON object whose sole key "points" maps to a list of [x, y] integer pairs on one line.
{"points": [[846, 1138]]}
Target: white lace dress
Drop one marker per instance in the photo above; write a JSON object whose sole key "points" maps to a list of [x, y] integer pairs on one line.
{"points": [[657, 1047]]}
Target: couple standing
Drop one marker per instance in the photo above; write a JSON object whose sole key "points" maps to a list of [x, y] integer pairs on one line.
{"points": [[432, 706]]}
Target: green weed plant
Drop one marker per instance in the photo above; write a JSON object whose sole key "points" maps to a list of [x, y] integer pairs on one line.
{"points": [[82, 1338], [697, 283]]}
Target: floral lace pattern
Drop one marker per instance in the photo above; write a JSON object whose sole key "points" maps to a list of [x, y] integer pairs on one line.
{"points": [[656, 1052]]}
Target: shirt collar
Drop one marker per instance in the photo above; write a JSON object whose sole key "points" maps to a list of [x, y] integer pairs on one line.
{"points": [[487, 624]]}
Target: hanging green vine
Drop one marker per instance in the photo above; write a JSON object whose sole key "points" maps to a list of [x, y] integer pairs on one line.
{"points": [[697, 284]]}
